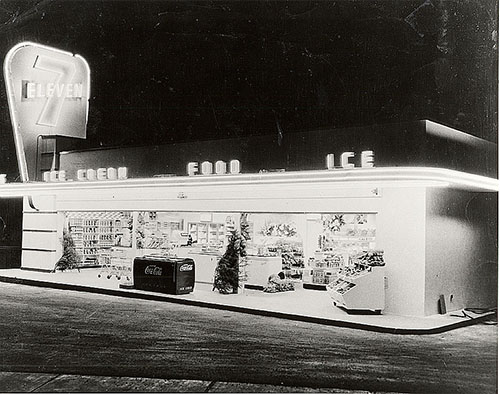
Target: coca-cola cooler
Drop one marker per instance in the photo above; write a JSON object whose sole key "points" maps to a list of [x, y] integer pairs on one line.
{"points": [[170, 275]]}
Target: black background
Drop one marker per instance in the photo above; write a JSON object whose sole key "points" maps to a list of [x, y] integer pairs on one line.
{"points": [[171, 71]]}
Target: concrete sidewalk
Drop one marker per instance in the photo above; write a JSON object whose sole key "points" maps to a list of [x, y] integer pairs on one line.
{"points": [[300, 305], [22, 382]]}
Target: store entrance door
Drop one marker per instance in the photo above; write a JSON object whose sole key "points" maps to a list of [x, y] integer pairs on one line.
{"points": [[11, 232]]}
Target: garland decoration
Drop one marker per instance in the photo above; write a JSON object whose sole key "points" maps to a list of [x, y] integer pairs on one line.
{"points": [[279, 230]]}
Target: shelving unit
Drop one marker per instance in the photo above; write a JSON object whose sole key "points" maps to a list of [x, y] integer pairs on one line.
{"points": [[93, 232], [75, 227], [292, 264], [90, 240], [346, 242], [106, 233], [323, 268]]}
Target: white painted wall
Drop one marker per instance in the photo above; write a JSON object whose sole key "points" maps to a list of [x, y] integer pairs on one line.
{"points": [[42, 233], [401, 235], [461, 249]]}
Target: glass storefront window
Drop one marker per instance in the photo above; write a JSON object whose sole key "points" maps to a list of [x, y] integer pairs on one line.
{"points": [[312, 248]]}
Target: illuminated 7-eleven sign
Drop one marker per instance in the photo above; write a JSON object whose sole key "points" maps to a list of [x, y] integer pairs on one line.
{"points": [[48, 92]]}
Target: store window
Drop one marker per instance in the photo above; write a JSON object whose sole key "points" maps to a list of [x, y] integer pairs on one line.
{"points": [[302, 247], [93, 233], [341, 239]]}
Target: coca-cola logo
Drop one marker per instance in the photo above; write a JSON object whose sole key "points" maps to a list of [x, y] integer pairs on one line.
{"points": [[186, 267], [153, 270]]}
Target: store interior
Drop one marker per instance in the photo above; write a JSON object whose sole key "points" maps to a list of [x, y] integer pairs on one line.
{"points": [[284, 252]]}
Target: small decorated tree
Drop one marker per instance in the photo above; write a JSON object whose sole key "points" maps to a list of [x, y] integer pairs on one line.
{"points": [[230, 269], [70, 258]]}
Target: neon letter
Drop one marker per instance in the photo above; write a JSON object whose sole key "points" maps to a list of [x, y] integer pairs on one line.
{"points": [[81, 175], [101, 174], [234, 166], [344, 160], [206, 168], [220, 167], [192, 168], [112, 173], [122, 173], [367, 159], [330, 165]]}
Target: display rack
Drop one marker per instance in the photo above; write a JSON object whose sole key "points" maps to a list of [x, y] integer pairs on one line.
{"points": [[364, 291], [324, 267], [75, 227], [95, 231], [106, 233], [85, 233], [292, 264], [361, 285]]}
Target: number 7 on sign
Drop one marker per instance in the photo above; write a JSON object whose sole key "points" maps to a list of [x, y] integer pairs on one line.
{"points": [[55, 92]]}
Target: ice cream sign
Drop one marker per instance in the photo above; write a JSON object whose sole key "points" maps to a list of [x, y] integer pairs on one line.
{"points": [[48, 91]]}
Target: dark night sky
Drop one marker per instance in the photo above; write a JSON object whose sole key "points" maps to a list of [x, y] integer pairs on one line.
{"points": [[166, 71]]}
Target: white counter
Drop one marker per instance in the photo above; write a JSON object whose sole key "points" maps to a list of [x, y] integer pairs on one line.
{"points": [[259, 269], [204, 264]]}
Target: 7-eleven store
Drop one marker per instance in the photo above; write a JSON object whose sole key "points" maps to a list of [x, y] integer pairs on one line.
{"points": [[434, 224]]}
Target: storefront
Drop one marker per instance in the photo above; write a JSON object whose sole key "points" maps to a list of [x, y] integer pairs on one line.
{"points": [[395, 218], [397, 239]]}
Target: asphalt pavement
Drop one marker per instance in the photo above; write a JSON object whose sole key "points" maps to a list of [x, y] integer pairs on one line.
{"points": [[66, 341], [53, 383]]}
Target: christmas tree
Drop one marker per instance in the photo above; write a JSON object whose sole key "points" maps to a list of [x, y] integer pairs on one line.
{"points": [[70, 258], [229, 271]]}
